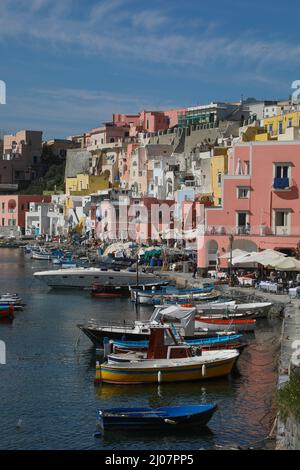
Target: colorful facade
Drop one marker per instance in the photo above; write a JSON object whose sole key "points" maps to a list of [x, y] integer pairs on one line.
{"points": [[13, 212], [277, 125], [219, 168], [260, 198], [84, 184]]}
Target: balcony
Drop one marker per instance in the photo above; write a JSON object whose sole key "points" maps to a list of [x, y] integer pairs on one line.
{"points": [[255, 231], [281, 183]]}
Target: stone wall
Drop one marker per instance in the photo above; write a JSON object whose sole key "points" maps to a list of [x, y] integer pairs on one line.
{"points": [[77, 161], [288, 431]]}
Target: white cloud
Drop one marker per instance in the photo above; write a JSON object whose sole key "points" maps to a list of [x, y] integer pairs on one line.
{"points": [[149, 19], [66, 111], [116, 29]]}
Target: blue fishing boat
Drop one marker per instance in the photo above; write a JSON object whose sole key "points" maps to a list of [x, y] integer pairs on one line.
{"points": [[172, 294], [146, 418], [216, 342]]}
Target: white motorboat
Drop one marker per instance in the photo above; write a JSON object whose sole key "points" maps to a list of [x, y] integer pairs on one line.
{"points": [[81, 277]]}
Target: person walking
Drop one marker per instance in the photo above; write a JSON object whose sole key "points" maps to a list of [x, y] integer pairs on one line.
{"points": [[195, 270]]}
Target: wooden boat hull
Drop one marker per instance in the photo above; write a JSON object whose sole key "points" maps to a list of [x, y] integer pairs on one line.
{"points": [[110, 292], [139, 373], [223, 324], [155, 418], [107, 295], [97, 335]]}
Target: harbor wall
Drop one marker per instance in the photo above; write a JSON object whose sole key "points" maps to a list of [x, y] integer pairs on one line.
{"points": [[288, 429]]}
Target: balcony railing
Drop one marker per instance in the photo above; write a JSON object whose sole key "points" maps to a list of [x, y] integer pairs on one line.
{"points": [[281, 183], [261, 230]]}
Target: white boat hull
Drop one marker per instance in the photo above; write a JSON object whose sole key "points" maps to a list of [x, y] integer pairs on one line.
{"points": [[40, 256], [259, 309], [85, 277]]}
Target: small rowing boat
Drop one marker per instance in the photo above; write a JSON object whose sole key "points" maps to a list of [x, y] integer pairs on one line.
{"points": [[256, 309], [220, 324], [109, 292], [146, 418], [6, 311], [12, 299]]}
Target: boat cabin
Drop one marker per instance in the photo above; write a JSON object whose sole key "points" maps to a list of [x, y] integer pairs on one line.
{"points": [[164, 345]]}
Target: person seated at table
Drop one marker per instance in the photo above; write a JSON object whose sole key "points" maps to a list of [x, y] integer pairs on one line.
{"points": [[273, 276], [298, 279]]}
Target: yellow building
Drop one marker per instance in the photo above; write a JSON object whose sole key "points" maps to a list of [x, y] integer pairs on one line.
{"points": [[277, 125], [219, 168], [83, 185]]}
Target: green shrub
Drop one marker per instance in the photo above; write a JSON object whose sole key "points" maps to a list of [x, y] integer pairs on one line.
{"points": [[288, 399]]}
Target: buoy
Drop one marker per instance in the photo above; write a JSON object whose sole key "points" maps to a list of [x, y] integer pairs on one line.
{"points": [[159, 377], [19, 423], [203, 370]]}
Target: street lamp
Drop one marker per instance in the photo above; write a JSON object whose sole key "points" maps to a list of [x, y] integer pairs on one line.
{"points": [[231, 238]]}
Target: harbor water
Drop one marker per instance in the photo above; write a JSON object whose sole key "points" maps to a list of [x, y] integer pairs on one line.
{"points": [[48, 399]]}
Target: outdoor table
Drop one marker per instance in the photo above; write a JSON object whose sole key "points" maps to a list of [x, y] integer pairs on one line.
{"points": [[294, 292], [268, 286], [246, 281]]}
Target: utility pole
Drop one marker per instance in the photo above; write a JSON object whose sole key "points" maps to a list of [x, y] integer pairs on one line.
{"points": [[231, 238]]}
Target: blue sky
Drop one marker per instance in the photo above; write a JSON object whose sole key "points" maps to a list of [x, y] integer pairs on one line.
{"points": [[69, 64]]}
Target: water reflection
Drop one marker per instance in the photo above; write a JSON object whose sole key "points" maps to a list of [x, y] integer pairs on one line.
{"points": [[48, 381]]}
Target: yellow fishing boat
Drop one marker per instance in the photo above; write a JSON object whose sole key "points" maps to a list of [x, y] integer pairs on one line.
{"points": [[168, 360]]}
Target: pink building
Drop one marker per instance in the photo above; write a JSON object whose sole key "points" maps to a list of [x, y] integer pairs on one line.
{"points": [[260, 203], [124, 164], [13, 210], [104, 136], [21, 153], [148, 121], [126, 119]]}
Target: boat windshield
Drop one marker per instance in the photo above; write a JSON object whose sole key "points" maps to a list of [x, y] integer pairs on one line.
{"points": [[168, 338]]}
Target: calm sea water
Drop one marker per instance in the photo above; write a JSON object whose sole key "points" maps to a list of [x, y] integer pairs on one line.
{"points": [[47, 382]]}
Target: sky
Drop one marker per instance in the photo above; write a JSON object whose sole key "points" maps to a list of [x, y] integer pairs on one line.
{"points": [[69, 65]]}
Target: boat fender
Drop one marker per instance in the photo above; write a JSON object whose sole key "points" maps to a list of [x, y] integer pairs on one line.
{"points": [[98, 378], [203, 370], [169, 421], [159, 377]]}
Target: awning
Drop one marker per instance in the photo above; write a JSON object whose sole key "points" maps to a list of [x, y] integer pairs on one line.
{"points": [[265, 257], [287, 264], [235, 253]]}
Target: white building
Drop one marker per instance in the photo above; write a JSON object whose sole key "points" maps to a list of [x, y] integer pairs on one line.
{"points": [[45, 218]]}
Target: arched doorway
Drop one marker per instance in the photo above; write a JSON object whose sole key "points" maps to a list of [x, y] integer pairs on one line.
{"points": [[245, 245]]}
